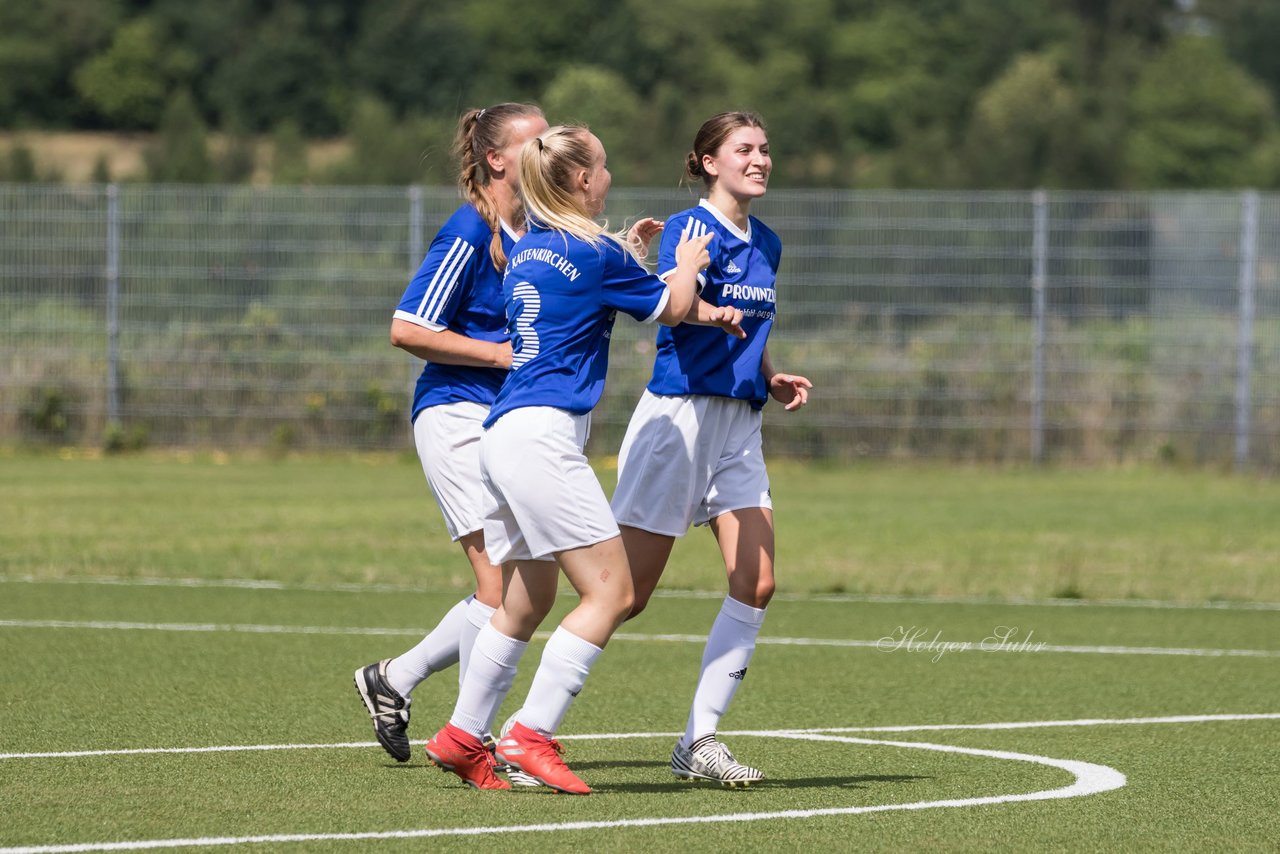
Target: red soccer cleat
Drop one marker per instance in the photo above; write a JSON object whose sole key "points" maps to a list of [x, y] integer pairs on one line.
{"points": [[459, 751], [539, 757]]}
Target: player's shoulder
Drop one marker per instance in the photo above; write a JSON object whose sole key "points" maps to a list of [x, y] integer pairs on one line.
{"points": [[466, 223], [693, 211], [679, 218]]}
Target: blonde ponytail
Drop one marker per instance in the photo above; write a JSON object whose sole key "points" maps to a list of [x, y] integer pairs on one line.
{"points": [[548, 165]]}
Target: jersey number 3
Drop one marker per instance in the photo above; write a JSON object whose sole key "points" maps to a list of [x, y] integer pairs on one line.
{"points": [[525, 305]]}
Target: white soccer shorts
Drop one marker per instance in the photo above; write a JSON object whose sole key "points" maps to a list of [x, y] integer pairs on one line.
{"points": [[448, 440], [541, 495], [688, 459]]}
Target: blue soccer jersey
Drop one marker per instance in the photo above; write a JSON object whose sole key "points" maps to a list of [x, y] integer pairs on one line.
{"points": [[457, 288], [743, 271], [562, 296]]}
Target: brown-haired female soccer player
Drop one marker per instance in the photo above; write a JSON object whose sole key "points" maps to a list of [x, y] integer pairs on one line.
{"points": [[692, 452]]}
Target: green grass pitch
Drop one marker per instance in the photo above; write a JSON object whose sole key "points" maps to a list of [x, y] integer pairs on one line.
{"points": [[149, 640]]}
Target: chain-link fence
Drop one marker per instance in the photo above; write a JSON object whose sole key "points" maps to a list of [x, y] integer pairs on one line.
{"points": [[994, 326]]}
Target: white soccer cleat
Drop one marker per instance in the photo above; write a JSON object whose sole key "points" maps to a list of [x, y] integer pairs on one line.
{"points": [[708, 759]]}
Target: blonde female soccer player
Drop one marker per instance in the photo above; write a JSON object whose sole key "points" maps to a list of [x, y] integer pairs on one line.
{"points": [[452, 316], [692, 452], [566, 280]]}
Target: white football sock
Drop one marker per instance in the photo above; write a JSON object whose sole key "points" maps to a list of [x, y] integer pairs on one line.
{"points": [[478, 615], [435, 652], [566, 661], [489, 675], [724, 666]]}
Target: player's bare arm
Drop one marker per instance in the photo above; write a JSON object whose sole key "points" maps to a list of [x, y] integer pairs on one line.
{"points": [[728, 318], [447, 347], [791, 390]]}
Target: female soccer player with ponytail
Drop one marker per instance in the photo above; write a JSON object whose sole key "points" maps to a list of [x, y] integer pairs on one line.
{"points": [[566, 280], [692, 452], [452, 316]]}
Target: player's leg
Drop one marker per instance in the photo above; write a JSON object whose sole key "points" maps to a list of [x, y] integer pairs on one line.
{"points": [[647, 555], [447, 440], [663, 472], [487, 597], [529, 590], [740, 512], [746, 542], [599, 574]]}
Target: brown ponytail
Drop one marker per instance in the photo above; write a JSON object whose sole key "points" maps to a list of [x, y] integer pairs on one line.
{"points": [[480, 131]]}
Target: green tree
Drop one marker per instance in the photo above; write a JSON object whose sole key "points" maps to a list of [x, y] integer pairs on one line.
{"points": [[101, 170], [130, 82], [19, 165], [288, 154], [1198, 119], [416, 55], [1250, 30], [181, 151], [41, 41], [600, 98], [238, 157], [384, 150], [1025, 127], [288, 66]]}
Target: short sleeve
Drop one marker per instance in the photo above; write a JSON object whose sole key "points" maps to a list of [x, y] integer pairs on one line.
{"points": [[629, 287], [678, 226], [433, 294]]}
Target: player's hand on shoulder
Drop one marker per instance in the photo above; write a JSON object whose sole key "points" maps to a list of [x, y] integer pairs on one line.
{"points": [[693, 250], [791, 390]]}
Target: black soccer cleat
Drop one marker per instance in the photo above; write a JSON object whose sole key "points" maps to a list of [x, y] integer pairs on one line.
{"points": [[389, 710]]}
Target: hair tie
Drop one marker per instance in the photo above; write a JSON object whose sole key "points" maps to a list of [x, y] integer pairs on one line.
{"points": [[480, 114]]}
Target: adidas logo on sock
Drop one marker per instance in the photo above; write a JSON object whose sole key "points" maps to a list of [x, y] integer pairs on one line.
{"points": [[739, 674]]}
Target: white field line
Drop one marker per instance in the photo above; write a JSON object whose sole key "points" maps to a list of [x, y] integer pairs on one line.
{"points": [[257, 584], [1089, 779], [886, 644], [614, 736]]}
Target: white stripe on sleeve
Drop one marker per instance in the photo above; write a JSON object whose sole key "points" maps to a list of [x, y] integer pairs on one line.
{"points": [[445, 279]]}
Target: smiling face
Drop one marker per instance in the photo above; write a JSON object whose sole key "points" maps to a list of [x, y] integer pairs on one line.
{"points": [[740, 167]]}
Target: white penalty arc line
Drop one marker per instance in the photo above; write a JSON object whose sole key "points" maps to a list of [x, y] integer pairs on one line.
{"points": [[1089, 779], [887, 644], [614, 736]]}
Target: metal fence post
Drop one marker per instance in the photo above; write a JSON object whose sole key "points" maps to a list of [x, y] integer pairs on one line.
{"points": [[415, 228], [415, 258], [113, 304], [1039, 277], [1244, 337]]}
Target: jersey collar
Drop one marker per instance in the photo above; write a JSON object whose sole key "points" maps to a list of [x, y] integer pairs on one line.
{"points": [[744, 236], [510, 232]]}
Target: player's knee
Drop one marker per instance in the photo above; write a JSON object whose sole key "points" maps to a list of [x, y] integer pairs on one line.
{"points": [[638, 603], [624, 605], [763, 592], [489, 594]]}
